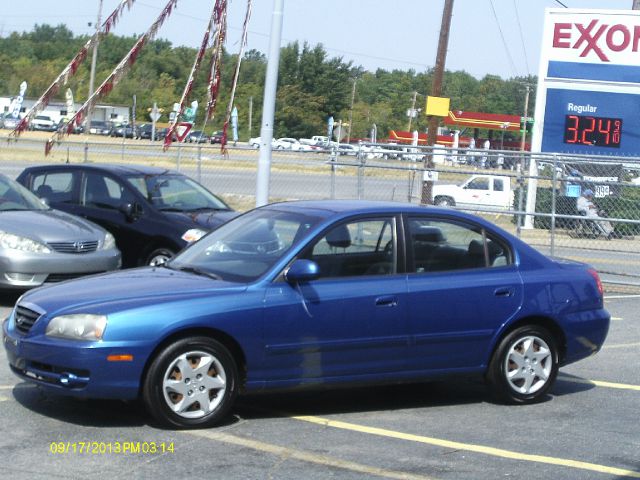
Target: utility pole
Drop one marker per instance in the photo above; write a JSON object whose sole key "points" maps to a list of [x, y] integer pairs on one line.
{"points": [[413, 110], [526, 115], [436, 91], [353, 97]]}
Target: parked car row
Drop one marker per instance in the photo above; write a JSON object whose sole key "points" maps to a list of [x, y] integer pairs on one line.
{"points": [[113, 215]]}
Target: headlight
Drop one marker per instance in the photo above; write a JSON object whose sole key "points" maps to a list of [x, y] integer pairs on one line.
{"points": [[78, 327], [16, 242], [193, 235], [109, 242]]}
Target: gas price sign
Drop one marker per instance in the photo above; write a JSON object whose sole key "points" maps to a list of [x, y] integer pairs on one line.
{"points": [[588, 95], [588, 130]]}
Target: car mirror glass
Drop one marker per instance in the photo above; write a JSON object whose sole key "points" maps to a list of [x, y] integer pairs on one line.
{"points": [[302, 271]]}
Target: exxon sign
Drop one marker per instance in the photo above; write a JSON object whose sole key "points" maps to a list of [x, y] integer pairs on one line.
{"points": [[601, 36]]}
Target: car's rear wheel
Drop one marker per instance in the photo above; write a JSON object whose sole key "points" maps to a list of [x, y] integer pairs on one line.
{"points": [[524, 366], [191, 383], [159, 257]]}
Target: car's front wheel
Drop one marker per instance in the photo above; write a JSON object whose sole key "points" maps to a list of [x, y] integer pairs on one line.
{"points": [[524, 366], [191, 383], [159, 257]]}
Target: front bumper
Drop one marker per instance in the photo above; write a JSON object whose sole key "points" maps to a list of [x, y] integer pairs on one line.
{"points": [[27, 270], [74, 368]]}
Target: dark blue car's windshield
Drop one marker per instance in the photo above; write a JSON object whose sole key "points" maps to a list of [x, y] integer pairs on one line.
{"points": [[245, 248], [176, 193]]}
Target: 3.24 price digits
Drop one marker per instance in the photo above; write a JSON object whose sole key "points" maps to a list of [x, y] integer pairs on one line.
{"points": [[597, 131]]}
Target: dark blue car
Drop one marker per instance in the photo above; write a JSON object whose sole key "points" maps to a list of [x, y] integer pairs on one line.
{"points": [[308, 294], [152, 212]]}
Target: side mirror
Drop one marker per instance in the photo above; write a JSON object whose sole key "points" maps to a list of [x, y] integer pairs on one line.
{"points": [[131, 211], [302, 271]]}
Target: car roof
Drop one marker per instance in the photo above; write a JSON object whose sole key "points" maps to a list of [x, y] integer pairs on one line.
{"points": [[117, 169]]}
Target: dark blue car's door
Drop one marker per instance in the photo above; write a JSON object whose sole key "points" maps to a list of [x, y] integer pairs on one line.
{"points": [[350, 322], [463, 285]]}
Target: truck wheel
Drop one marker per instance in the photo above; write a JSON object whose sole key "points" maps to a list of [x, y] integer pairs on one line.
{"points": [[445, 202]]}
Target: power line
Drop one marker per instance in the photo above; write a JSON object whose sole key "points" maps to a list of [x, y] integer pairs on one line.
{"points": [[504, 42], [524, 48], [560, 3]]}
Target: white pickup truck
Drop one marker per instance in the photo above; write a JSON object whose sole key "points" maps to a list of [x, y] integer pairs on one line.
{"points": [[477, 190]]}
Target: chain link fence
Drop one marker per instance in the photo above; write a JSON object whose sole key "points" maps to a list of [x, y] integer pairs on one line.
{"points": [[535, 196]]}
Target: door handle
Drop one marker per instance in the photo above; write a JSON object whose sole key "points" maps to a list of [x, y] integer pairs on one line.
{"points": [[503, 292], [387, 301]]}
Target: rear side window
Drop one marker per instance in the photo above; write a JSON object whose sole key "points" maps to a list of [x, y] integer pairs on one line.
{"points": [[440, 245], [55, 187]]}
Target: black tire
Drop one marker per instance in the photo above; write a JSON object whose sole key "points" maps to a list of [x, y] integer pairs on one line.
{"points": [[444, 202], [175, 365], [524, 367], [159, 256]]}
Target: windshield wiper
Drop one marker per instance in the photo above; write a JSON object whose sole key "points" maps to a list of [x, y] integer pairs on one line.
{"points": [[197, 271]]}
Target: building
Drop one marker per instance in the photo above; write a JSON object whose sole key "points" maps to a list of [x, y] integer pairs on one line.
{"points": [[57, 110]]}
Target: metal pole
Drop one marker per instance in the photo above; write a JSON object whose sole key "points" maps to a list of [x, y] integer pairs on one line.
{"points": [[413, 109], [436, 90], [250, 115], [269, 105], [94, 58], [353, 97], [526, 116]]}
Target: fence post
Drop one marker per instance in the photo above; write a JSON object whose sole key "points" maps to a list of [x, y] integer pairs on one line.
{"points": [[520, 182], [332, 161], [199, 162], [361, 167], [554, 177], [86, 151], [178, 156]]}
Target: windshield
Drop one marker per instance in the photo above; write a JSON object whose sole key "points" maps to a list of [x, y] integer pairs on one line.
{"points": [[176, 193], [14, 196], [245, 248]]}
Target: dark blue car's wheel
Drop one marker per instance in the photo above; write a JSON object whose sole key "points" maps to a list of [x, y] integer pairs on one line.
{"points": [[191, 383], [159, 257], [524, 366]]}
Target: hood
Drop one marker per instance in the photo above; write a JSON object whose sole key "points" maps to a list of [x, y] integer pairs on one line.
{"points": [[207, 220], [112, 292], [48, 226]]}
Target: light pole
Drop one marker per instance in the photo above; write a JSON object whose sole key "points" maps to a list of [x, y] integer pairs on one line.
{"points": [[269, 105]]}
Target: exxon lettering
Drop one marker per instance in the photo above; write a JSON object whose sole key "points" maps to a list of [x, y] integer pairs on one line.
{"points": [[596, 37]]}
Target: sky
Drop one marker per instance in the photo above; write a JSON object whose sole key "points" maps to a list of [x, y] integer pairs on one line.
{"points": [[496, 37]]}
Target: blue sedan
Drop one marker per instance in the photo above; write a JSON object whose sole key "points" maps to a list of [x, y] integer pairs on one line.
{"points": [[308, 294]]}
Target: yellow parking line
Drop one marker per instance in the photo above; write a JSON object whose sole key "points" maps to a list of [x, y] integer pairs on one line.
{"points": [[305, 456], [496, 452], [618, 297], [616, 319], [598, 383]]}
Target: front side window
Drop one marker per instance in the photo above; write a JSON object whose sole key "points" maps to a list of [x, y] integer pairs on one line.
{"points": [[478, 184], [362, 247], [441, 245], [103, 192]]}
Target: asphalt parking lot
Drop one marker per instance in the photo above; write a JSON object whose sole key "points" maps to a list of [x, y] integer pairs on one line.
{"points": [[587, 429]]}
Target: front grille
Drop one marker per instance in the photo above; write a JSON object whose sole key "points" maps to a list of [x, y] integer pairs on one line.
{"points": [[24, 319], [61, 277], [75, 247]]}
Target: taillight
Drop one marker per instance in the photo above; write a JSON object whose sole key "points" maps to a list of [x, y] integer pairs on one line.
{"points": [[596, 277]]}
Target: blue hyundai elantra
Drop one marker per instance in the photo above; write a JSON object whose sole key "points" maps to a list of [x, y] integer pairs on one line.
{"points": [[309, 294]]}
